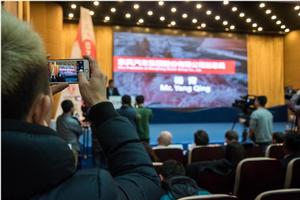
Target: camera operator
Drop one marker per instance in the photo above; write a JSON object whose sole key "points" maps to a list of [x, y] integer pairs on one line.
{"points": [[294, 106], [261, 123]]}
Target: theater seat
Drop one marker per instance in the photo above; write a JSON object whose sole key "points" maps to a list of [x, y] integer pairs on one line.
{"points": [[165, 154], [292, 177], [275, 151], [157, 166], [283, 194], [205, 153], [253, 151], [211, 197], [256, 175]]}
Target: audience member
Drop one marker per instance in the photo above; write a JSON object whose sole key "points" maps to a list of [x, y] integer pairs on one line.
{"points": [[145, 115], [277, 137], [38, 163], [294, 106], [261, 123], [128, 111], [291, 147], [67, 126], [175, 184], [164, 139], [201, 138], [111, 90]]}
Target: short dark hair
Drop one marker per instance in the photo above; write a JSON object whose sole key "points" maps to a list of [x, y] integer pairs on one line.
{"points": [[67, 105], [110, 81], [139, 99], [262, 100], [232, 135], [278, 137], [201, 137], [126, 99], [292, 142], [171, 168]]}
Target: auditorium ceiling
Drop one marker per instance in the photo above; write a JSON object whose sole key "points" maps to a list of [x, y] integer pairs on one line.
{"points": [[222, 16]]}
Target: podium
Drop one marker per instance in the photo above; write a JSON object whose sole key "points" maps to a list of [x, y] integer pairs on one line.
{"points": [[117, 101]]}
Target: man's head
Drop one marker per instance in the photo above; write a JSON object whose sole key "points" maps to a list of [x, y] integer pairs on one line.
{"points": [[111, 83], [260, 101], [171, 168], [165, 138], [231, 136], [291, 143], [126, 100], [139, 100], [67, 106], [201, 137], [24, 79], [277, 137]]}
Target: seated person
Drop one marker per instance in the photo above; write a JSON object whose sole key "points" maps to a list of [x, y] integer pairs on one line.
{"points": [[164, 140], [174, 182], [200, 139], [277, 137], [291, 148]]}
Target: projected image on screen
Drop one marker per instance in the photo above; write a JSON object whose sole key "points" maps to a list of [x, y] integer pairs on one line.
{"points": [[180, 72]]}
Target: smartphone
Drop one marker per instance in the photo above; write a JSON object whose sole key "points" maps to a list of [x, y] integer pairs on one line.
{"points": [[66, 70]]}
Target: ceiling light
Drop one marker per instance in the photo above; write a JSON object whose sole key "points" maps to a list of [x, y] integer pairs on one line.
{"points": [[162, 18], [273, 17], [113, 10], [173, 23], [150, 12], [299, 14], [278, 22], [268, 11], [198, 27], [127, 15], [173, 9], [71, 15], [96, 3], [106, 18], [184, 15], [161, 3], [254, 25], [226, 29], [262, 5], [203, 25], [217, 17], [194, 21], [136, 6], [91, 12], [198, 6], [248, 20], [232, 27], [260, 29], [225, 23], [282, 26], [73, 6], [242, 14], [234, 9], [208, 12], [225, 2], [297, 7], [287, 30], [141, 21]]}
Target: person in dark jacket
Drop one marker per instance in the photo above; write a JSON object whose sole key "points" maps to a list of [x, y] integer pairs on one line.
{"points": [[174, 182], [291, 148], [36, 162], [128, 111], [111, 90]]}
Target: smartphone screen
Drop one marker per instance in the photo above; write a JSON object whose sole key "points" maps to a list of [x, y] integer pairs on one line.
{"points": [[67, 70]]}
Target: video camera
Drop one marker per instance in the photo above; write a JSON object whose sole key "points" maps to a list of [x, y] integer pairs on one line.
{"points": [[289, 92], [246, 105]]}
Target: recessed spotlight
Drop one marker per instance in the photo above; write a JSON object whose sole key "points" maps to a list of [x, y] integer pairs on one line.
{"points": [[71, 15], [208, 12], [194, 21], [198, 27], [161, 3], [136, 6], [299, 14], [113, 10], [127, 15], [287, 30], [226, 29], [297, 7], [173, 23], [262, 5], [198, 5], [141, 21], [217, 17], [73, 6], [184, 15], [282, 26], [150, 13], [232, 27], [225, 2], [242, 14], [268, 11], [260, 29], [225, 23], [96, 3], [203, 25], [162, 18], [273, 17], [254, 25], [278, 22], [91, 12], [234, 9], [173, 9], [248, 20], [106, 18]]}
